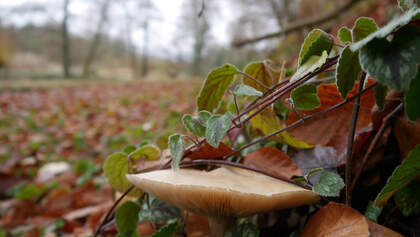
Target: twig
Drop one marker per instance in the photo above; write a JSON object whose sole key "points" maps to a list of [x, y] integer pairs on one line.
{"points": [[203, 7], [350, 139], [374, 142], [254, 79], [295, 26]]}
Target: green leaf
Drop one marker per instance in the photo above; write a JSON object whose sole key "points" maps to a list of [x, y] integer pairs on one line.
{"points": [[129, 148], [407, 199], [402, 175], [393, 64], [363, 27], [155, 210], [217, 126], [310, 65], [176, 147], [261, 73], [147, 152], [347, 71], [315, 44], [215, 86], [127, 218], [406, 5], [412, 98], [242, 89], [373, 212], [386, 30], [194, 125], [115, 169], [29, 192], [203, 117], [329, 185], [243, 230], [305, 97], [344, 34], [166, 231], [380, 94], [312, 172]]}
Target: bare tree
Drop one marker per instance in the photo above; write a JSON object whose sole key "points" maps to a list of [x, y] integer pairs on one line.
{"points": [[97, 37], [65, 42]]}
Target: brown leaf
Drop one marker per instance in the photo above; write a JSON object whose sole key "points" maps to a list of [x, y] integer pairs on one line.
{"points": [[334, 124], [274, 161], [407, 134], [377, 230], [336, 220], [208, 152]]}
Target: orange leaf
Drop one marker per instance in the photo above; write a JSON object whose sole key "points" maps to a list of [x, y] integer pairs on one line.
{"points": [[336, 220], [334, 124], [377, 230], [274, 161], [208, 152]]}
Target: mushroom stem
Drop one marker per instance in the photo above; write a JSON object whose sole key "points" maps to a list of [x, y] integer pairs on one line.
{"points": [[220, 225]]}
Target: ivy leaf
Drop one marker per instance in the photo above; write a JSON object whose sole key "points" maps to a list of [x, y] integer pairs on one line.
{"points": [[127, 218], [115, 169], [217, 126], [242, 89], [388, 29], [406, 5], [262, 73], [305, 97], [194, 125], [344, 34], [310, 65], [373, 212], [380, 94], [412, 98], [166, 231], [176, 148], [407, 199], [363, 27], [267, 122], [393, 64], [347, 71], [329, 185], [147, 152], [155, 210], [402, 175], [243, 230], [315, 44], [215, 86], [203, 117]]}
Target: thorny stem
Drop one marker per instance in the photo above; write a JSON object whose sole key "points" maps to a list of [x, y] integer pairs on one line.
{"points": [[374, 142], [350, 139]]}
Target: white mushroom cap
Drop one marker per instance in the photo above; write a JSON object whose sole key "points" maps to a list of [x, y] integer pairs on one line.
{"points": [[223, 191]]}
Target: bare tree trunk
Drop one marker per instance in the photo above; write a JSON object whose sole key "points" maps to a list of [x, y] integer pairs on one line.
{"points": [[200, 29], [96, 39], [65, 47], [145, 56]]}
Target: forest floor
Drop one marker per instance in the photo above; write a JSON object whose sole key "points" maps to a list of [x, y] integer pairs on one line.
{"points": [[54, 137]]}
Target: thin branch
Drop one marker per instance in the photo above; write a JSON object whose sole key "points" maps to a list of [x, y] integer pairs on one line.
{"points": [[254, 79], [374, 142], [298, 25], [350, 139], [203, 7]]}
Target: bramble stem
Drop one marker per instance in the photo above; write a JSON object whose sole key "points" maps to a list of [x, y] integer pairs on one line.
{"points": [[350, 138]]}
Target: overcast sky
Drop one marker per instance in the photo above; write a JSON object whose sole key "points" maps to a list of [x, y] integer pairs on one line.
{"points": [[162, 30]]}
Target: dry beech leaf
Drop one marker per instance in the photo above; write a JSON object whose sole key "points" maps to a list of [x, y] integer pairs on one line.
{"points": [[377, 230], [209, 152], [407, 134], [320, 130], [197, 226], [273, 161], [336, 220]]}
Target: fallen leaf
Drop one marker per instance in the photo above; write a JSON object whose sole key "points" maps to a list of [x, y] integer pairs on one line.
{"points": [[336, 220], [407, 134], [377, 230], [207, 151], [273, 161], [197, 226]]}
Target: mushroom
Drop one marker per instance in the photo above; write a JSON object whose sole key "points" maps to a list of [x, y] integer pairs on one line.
{"points": [[222, 194]]}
